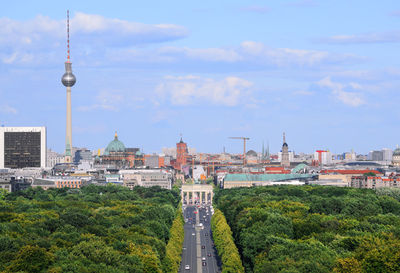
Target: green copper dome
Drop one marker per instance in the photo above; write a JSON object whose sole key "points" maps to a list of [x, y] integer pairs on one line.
{"points": [[115, 146], [396, 152]]}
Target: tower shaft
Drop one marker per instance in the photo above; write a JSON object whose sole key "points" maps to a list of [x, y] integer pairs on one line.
{"points": [[68, 131]]}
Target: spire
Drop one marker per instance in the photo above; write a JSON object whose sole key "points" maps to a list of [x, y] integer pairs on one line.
{"points": [[267, 150], [284, 138], [263, 152], [116, 135], [68, 59]]}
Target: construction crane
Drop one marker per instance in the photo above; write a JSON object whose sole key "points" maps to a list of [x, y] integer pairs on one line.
{"points": [[244, 147]]}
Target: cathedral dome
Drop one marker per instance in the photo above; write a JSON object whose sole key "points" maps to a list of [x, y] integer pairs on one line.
{"points": [[115, 146], [396, 152]]}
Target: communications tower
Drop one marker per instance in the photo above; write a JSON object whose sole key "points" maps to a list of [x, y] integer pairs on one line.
{"points": [[68, 80]]}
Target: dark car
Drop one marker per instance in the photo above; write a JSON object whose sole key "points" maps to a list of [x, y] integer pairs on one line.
{"points": [[203, 247], [209, 254], [204, 263]]}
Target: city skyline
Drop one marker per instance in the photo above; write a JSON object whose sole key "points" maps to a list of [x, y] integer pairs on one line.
{"points": [[248, 70]]}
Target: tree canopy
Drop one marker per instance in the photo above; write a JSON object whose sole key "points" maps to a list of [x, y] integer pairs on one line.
{"points": [[314, 228], [92, 229]]}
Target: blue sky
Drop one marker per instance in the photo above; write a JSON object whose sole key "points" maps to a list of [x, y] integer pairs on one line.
{"points": [[325, 72]]}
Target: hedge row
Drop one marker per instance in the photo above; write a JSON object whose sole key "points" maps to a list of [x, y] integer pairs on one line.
{"points": [[173, 252], [227, 250]]}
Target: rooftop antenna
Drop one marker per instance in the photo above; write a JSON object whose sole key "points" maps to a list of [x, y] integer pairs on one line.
{"points": [[68, 59]]}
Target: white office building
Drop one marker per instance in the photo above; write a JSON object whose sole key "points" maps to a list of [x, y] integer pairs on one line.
{"points": [[23, 147]]}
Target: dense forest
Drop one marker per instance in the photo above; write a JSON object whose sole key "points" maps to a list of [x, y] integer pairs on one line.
{"points": [[92, 229], [314, 228]]}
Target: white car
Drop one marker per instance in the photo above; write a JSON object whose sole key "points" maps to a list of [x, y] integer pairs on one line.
{"points": [[193, 234], [203, 259], [187, 267]]}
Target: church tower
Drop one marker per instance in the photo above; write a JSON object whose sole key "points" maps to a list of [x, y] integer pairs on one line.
{"points": [[285, 154]]}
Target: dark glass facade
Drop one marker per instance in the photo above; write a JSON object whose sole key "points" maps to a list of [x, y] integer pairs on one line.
{"points": [[21, 149]]}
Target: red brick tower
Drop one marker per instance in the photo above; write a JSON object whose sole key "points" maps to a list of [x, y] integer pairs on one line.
{"points": [[181, 154]]}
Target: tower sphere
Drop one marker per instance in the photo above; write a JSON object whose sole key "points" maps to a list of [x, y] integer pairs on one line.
{"points": [[68, 79]]}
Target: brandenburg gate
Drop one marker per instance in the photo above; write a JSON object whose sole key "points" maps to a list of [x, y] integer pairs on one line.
{"points": [[196, 192]]}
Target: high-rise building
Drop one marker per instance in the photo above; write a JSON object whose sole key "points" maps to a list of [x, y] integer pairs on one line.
{"points": [[387, 154], [285, 162], [323, 157], [375, 155], [83, 155], [68, 80], [22, 147]]}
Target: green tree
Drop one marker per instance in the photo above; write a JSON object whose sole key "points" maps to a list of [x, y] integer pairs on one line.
{"points": [[31, 259]]}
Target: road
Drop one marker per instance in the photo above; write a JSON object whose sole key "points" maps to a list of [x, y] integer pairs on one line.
{"points": [[193, 251]]}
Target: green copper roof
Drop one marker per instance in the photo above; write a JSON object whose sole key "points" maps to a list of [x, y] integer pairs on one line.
{"points": [[396, 152], [299, 168], [115, 146], [264, 177]]}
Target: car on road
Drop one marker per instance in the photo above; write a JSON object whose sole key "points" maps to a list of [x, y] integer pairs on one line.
{"points": [[203, 247], [187, 267], [203, 259], [204, 263], [209, 254], [193, 234]]}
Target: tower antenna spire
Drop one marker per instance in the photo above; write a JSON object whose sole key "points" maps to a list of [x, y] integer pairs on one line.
{"points": [[68, 59]]}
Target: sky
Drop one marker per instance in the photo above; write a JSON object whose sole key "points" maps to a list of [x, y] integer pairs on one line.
{"points": [[325, 72]]}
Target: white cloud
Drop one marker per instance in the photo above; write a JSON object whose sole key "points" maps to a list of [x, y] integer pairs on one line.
{"points": [[365, 38], [121, 32], [349, 98], [251, 53], [204, 54], [8, 109], [19, 40], [101, 41], [105, 100], [229, 91], [260, 52]]}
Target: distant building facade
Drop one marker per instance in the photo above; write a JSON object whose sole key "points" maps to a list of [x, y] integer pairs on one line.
{"points": [[53, 158], [146, 178], [151, 161], [22, 147], [58, 182], [374, 182]]}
